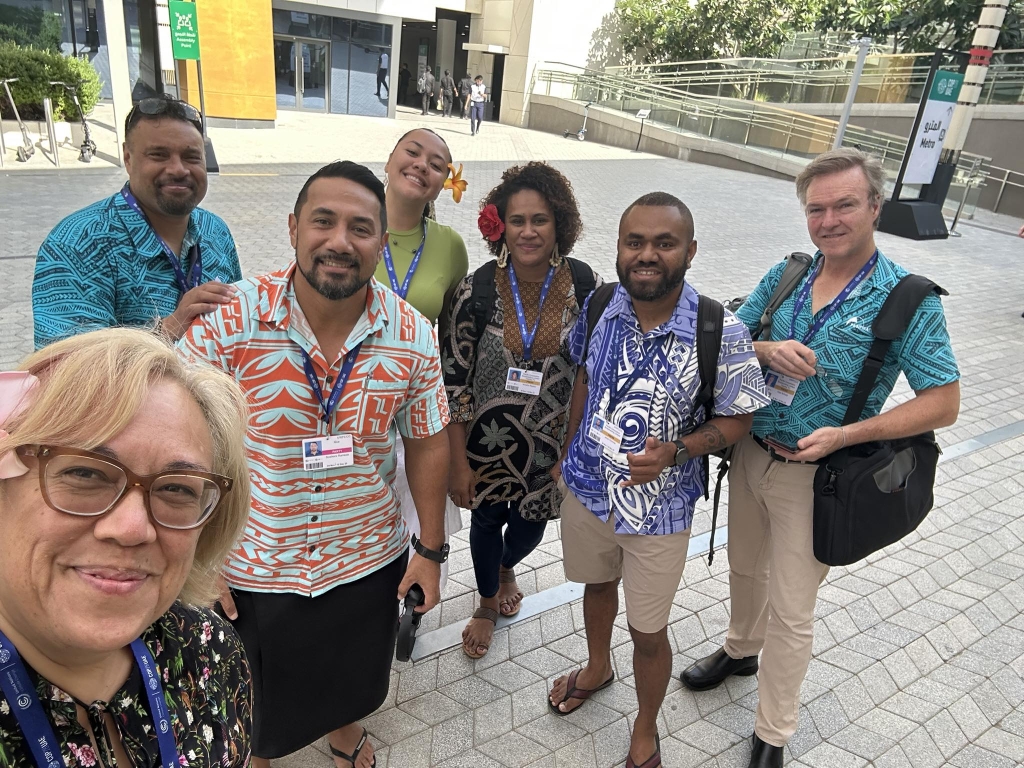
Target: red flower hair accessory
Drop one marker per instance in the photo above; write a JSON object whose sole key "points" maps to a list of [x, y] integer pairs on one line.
{"points": [[490, 223]]}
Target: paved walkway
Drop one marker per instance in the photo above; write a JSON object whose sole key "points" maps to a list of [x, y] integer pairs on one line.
{"points": [[919, 653]]}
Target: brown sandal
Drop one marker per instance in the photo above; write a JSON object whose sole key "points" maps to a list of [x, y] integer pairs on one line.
{"points": [[509, 577], [572, 692], [488, 614]]}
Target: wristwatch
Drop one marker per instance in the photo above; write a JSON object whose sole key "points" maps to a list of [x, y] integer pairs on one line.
{"points": [[431, 554], [682, 454]]}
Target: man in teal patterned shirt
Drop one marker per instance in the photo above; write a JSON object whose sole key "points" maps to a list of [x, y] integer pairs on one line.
{"points": [[819, 340], [146, 254]]}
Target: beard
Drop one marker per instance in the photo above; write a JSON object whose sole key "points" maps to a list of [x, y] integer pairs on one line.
{"points": [[669, 282], [176, 206], [333, 288]]}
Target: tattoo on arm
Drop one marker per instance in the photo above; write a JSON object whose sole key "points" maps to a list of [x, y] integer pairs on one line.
{"points": [[710, 439]]}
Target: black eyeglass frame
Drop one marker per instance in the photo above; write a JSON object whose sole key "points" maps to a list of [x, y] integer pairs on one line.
{"points": [[155, 107], [43, 453]]}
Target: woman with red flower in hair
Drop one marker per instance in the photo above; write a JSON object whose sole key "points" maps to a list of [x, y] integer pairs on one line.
{"points": [[509, 380]]}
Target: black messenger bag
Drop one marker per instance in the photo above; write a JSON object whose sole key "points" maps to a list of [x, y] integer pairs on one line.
{"points": [[869, 495]]}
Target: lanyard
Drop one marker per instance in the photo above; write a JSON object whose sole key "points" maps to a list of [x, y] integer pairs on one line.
{"points": [[639, 370], [195, 276], [39, 736], [339, 384], [826, 314], [528, 335], [390, 264]]}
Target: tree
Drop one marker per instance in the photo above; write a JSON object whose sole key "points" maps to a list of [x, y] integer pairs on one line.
{"points": [[30, 27]]}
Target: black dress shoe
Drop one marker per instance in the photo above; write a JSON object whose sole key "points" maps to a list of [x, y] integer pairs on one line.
{"points": [[765, 755], [712, 670]]}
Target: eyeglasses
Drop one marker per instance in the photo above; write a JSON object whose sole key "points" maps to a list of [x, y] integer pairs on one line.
{"points": [[88, 484], [154, 107]]}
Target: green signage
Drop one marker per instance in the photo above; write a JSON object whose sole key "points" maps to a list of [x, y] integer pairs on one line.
{"points": [[946, 86], [184, 29]]}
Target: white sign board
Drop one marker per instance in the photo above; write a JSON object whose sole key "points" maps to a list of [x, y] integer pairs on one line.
{"points": [[935, 120], [643, 114]]}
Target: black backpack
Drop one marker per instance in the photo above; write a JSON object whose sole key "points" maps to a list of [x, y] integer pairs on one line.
{"points": [[481, 300]]}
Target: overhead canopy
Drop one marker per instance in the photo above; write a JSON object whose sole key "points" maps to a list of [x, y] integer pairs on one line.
{"points": [[485, 48]]}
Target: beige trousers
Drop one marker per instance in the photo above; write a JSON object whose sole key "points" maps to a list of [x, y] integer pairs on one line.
{"points": [[773, 580]]}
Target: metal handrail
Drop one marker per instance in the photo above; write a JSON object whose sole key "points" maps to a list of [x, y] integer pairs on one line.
{"points": [[994, 172], [760, 126]]}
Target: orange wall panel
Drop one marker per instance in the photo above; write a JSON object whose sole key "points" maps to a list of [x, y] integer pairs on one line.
{"points": [[236, 43]]}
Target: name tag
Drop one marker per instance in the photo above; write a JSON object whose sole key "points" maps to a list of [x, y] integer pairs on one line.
{"points": [[606, 434], [526, 382], [781, 388], [327, 452]]}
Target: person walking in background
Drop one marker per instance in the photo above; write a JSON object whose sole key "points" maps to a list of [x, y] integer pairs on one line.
{"points": [[423, 263], [327, 354], [633, 470], [148, 253], [404, 75], [382, 72], [448, 92], [465, 91], [477, 97], [509, 383], [425, 86]]}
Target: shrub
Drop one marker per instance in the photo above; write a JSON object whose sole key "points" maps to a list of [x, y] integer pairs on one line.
{"points": [[35, 69]]}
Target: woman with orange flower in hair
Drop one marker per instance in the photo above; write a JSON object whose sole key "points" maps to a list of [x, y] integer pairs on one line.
{"points": [[423, 260], [509, 379]]}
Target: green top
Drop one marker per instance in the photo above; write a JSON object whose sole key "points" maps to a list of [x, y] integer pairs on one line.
{"points": [[443, 264]]}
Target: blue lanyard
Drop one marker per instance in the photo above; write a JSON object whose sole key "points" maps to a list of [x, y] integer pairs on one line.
{"points": [[39, 736], [621, 388], [390, 264], [528, 335], [195, 276], [339, 384], [826, 314]]}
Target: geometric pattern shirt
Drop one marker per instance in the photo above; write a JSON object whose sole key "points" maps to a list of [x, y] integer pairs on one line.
{"points": [[312, 530], [658, 404], [104, 266], [923, 353]]}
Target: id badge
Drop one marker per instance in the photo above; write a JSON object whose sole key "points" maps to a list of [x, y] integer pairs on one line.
{"points": [[781, 388], [523, 381], [327, 452], [606, 434]]}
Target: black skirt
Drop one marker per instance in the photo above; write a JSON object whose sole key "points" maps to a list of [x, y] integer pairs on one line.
{"points": [[318, 663]]}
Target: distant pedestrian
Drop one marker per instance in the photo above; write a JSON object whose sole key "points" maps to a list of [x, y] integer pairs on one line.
{"points": [[382, 72], [465, 91], [425, 87], [404, 75], [477, 97], [447, 92], [148, 253]]}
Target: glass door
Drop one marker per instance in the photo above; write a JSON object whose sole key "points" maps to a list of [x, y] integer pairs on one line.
{"points": [[301, 72]]}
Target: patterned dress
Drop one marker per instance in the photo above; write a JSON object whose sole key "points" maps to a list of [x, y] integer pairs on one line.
{"points": [[513, 439], [206, 687]]}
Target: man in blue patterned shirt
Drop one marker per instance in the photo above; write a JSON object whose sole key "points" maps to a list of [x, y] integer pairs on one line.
{"points": [[633, 471], [147, 253], [819, 340]]}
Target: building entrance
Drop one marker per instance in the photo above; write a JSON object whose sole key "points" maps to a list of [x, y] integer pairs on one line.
{"points": [[301, 70]]}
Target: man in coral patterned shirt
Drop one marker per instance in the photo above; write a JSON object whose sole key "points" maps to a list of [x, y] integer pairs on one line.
{"points": [[334, 365]]}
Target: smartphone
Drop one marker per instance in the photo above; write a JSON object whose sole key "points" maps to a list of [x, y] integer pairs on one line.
{"points": [[781, 446]]}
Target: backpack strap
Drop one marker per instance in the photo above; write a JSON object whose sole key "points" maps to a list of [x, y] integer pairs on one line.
{"points": [[598, 301], [710, 317], [892, 321], [583, 279], [482, 296], [797, 264]]}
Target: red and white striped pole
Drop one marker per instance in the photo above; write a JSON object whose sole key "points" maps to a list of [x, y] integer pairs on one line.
{"points": [[993, 12]]}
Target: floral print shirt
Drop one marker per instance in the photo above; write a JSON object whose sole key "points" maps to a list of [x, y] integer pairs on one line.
{"points": [[206, 686]]}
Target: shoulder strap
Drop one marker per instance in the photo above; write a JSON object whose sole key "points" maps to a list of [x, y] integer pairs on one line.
{"points": [[598, 301], [797, 264], [892, 321], [482, 297], [583, 279], [710, 317]]}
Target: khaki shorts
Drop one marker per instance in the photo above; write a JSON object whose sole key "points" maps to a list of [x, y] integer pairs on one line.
{"points": [[650, 566]]}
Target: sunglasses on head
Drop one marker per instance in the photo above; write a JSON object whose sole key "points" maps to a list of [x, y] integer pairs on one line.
{"points": [[154, 107]]}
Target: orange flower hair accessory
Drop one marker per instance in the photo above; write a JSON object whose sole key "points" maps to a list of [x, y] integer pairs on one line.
{"points": [[455, 183]]}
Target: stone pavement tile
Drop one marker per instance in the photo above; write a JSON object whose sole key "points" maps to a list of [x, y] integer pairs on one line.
{"points": [[688, 632], [579, 754], [544, 662], [509, 676], [432, 708], [611, 744], [680, 709], [419, 679], [841, 626], [946, 734], [1011, 685], [862, 742], [492, 720], [618, 696], [845, 658], [969, 717], [893, 634], [905, 705], [551, 731], [556, 624], [922, 750], [878, 682], [826, 675], [471, 692], [974, 662], [548, 761], [513, 750], [470, 759], [592, 717], [973, 756], [452, 737], [496, 654], [622, 660], [413, 752], [392, 725], [901, 668], [739, 687], [573, 647], [806, 737], [887, 724], [1014, 723], [828, 715], [530, 703], [713, 700], [452, 666], [894, 758], [679, 754], [826, 754], [944, 642], [734, 718], [991, 702], [708, 737]]}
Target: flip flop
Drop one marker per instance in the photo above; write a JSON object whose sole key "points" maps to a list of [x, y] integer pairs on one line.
{"points": [[654, 761], [488, 614], [355, 755], [509, 577], [572, 692]]}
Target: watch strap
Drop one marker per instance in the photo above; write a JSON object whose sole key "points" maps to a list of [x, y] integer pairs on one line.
{"points": [[438, 556]]}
